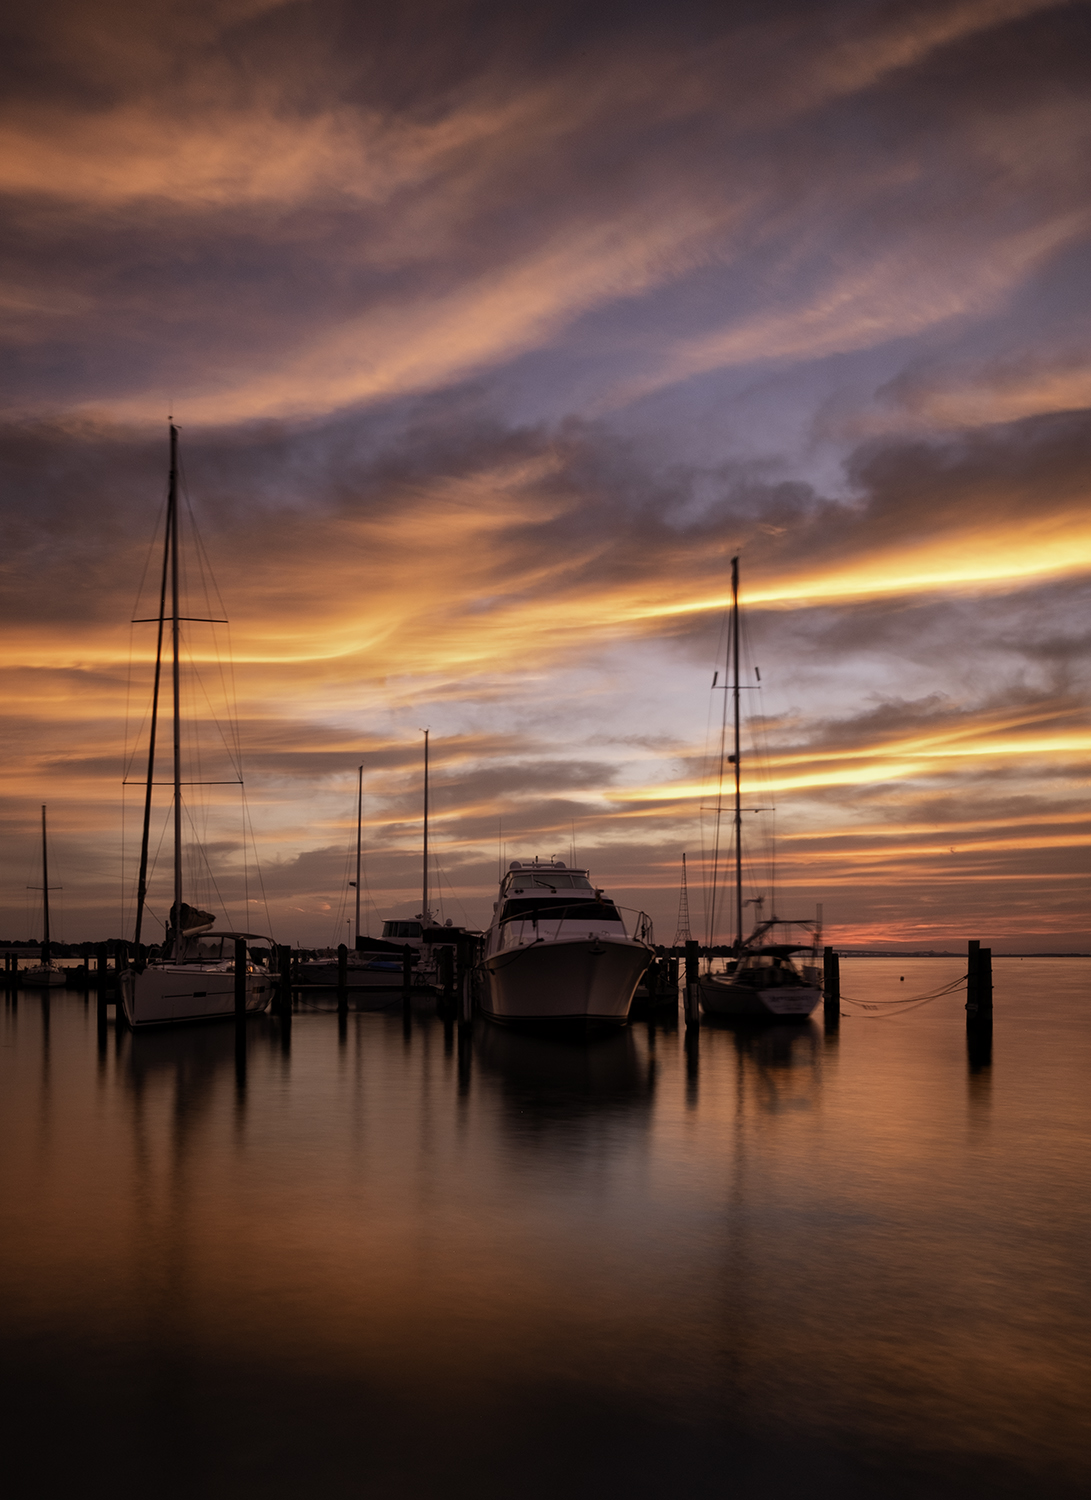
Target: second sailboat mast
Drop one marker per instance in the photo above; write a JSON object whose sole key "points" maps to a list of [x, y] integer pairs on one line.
{"points": [[424, 899], [736, 757], [359, 829], [172, 508], [45, 892]]}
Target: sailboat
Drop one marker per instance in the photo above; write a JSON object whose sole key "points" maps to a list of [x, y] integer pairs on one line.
{"points": [[413, 931], [46, 972], [193, 979], [377, 963], [763, 980], [324, 971]]}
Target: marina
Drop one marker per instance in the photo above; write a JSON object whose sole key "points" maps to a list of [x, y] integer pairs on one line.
{"points": [[545, 666]]}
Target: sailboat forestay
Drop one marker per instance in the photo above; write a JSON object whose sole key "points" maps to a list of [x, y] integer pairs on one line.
{"points": [[762, 980], [193, 978]]}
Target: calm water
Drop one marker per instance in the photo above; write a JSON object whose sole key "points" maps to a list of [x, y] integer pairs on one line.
{"points": [[380, 1261]]}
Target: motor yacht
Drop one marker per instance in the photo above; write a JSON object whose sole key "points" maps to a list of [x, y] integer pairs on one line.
{"points": [[558, 950]]}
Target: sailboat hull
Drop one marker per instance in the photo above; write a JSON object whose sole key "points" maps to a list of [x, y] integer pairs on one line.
{"points": [[723, 996], [42, 976], [164, 993]]}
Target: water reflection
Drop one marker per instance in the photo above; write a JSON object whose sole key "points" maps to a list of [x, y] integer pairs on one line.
{"points": [[544, 1081], [465, 1059], [779, 1061], [192, 1064], [979, 1072], [692, 1049], [979, 1047], [446, 1264]]}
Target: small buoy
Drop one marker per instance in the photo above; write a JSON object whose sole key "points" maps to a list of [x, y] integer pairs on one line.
{"points": [[901, 978]]}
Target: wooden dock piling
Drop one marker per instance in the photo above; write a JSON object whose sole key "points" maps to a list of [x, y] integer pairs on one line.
{"points": [[692, 1003], [342, 976], [979, 985], [407, 974], [447, 979], [284, 957], [101, 960], [831, 987], [465, 980], [240, 979]]}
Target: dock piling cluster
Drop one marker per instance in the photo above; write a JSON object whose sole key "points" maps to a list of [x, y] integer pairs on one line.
{"points": [[692, 1000], [831, 989]]}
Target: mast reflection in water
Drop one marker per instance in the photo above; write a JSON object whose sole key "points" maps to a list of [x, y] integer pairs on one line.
{"points": [[399, 1261]]}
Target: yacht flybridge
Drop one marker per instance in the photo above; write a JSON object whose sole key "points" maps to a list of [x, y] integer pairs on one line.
{"points": [[558, 950]]}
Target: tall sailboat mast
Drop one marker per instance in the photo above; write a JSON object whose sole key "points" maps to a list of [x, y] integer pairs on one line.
{"points": [[142, 880], [736, 757], [172, 507], [359, 830], [424, 898], [45, 893]]}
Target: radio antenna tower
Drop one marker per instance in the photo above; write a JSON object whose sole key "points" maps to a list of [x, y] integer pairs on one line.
{"points": [[683, 934]]}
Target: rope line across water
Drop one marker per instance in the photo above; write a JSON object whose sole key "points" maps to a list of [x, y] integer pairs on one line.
{"points": [[910, 1002]]}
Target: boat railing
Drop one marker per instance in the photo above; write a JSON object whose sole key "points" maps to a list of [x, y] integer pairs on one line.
{"points": [[642, 927]]}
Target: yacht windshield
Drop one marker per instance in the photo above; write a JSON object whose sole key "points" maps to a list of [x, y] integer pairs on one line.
{"points": [[549, 880], [535, 909]]}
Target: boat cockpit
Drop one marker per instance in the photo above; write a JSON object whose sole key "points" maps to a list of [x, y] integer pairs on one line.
{"points": [[219, 948], [768, 968]]}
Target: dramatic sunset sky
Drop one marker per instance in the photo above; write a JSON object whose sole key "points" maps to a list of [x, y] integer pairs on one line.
{"points": [[493, 331]]}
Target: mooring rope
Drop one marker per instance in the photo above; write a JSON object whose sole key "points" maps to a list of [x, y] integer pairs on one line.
{"points": [[910, 1002]]}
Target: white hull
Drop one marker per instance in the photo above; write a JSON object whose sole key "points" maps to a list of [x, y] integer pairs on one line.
{"points": [[590, 979], [723, 996], [41, 976], [185, 992]]}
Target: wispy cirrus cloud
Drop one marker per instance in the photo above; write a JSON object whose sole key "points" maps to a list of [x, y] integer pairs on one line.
{"points": [[494, 335]]}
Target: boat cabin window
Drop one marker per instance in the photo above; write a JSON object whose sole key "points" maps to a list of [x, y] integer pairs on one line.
{"points": [[548, 880], [401, 930], [533, 908]]}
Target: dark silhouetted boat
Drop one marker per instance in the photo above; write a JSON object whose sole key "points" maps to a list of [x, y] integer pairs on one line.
{"points": [[763, 978], [193, 979], [558, 950]]}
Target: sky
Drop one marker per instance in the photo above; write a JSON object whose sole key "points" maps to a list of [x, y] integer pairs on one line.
{"points": [[493, 333]]}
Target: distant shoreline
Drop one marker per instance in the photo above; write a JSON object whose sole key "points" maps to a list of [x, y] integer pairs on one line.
{"points": [[937, 953]]}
